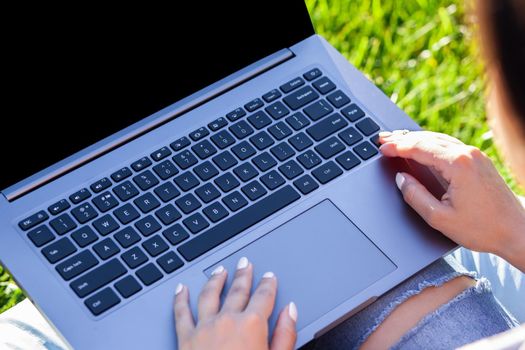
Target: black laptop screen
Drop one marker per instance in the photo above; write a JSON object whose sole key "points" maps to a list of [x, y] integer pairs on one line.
{"points": [[71, 80]]}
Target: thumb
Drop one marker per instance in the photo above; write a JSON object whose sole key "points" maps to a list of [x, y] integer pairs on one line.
{"points": [[284, 334], [421, 200]]}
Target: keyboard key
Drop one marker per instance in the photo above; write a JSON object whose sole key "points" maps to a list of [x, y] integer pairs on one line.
{"points": [[134, 257], [277, 110], [79, 196], [106, 248], [253, 105], [312, 74], [375, 140], [180, 143], [272, 180], [146, 180], [147, 202], [348, 160], [205, 170], [126, 214], [236, 114], [168, 214], [309, 159], [127, 237], [236, 224], [243, 150], [58, 207], [58, 250], [254, 190], [170, 262], [204, 149], [292, 85], [215, 212], [155, 245], [338, 99], [367, 126], [196, 223], [166, 192], [264, 161], [125, 191], [350, 136], [353, 112], [63, 224], [327, 127], [227, 182], [330, 147], [225, 160], [100, 185], [185, 159], [105, 225], [85, 212], [217, 124], [282, 151], [327, 172], [98, 278], [128, 286], [105, 201], [207, 192], [291, 169], [186, 181], [298, 121], [175, 234], [121, 174], [241, 129], [324, 85], [300, 141], [165, 169], [33, 220], [245, 171], [141, 164], [199, 134], [271, 95], [235, 201], [188, 203], [280, 130], [102, 301], [306, 184], [259, 120], [365, 150], [149, 274], [148, 225], [318, 109], [223, 139], [77, 264], [41, 235], [262, 140], [84, 236], [301, 97]]}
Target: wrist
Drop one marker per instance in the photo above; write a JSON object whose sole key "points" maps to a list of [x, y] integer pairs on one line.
{"points": [[512, 247]]}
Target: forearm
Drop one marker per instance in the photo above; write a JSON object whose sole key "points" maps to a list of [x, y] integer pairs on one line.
{"points": [[513, 250]]}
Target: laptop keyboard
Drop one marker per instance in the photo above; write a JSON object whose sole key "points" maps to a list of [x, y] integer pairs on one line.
{"points": [[142, 223]]}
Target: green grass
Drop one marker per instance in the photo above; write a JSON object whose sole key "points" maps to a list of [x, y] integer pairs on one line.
{"points": [[421, 53]]}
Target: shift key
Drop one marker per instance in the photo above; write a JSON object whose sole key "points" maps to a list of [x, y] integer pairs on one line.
{"points": [[98, 277]]}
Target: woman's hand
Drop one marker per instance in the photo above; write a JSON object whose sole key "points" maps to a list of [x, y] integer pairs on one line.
{"points": [[478, 210], [241, 322]]}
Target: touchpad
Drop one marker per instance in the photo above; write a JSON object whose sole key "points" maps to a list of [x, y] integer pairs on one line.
{"points": [[320, 259]]}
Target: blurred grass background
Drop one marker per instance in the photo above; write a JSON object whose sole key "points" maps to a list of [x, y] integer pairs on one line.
{"points": [[422, 53]]}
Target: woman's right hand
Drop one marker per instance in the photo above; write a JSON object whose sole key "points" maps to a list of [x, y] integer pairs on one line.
{"points": [[478, 210]]}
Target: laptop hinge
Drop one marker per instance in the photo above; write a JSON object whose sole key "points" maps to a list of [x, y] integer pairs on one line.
{"points": [[152, 122]]}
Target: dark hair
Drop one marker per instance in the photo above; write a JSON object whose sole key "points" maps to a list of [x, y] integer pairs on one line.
{"points": [[502, 23]]}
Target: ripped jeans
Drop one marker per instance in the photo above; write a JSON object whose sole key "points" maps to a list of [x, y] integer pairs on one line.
{"points": [[473, 314]]}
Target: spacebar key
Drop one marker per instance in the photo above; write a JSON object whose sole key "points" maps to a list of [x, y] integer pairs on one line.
{"points": [[238, 223]]}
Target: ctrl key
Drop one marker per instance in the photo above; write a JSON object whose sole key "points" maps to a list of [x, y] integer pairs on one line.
{"points": [[102, 301]]}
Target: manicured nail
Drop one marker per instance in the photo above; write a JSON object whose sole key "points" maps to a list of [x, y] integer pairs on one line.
{"points": [[268, 274], [179, 288], [218, 270], [385, 133], [243, 263], [292, 311], [400, 180]]}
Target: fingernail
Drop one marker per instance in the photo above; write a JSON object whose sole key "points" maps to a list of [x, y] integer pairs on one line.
{"points": [[179, 288], [243, 263], [218, 270], [385, 133], [292, 311], [400, 180], [268, 274]]}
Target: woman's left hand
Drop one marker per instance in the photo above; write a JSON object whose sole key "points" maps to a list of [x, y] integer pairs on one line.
{"points": [[241, 322]]}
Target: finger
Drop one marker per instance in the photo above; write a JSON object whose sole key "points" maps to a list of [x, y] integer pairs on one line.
{"points": [[210, 297], [239, 292], [263, 299], [285, 333], [184, 324]]}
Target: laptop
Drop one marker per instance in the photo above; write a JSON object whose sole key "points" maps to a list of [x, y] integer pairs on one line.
{"points": [[142, 153]]}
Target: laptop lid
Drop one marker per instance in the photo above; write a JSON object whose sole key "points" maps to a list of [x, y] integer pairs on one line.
{"points": [[72, 80]]}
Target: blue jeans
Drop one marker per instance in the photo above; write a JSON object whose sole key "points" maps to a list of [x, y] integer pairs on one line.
{"points": [[474, 314]]}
